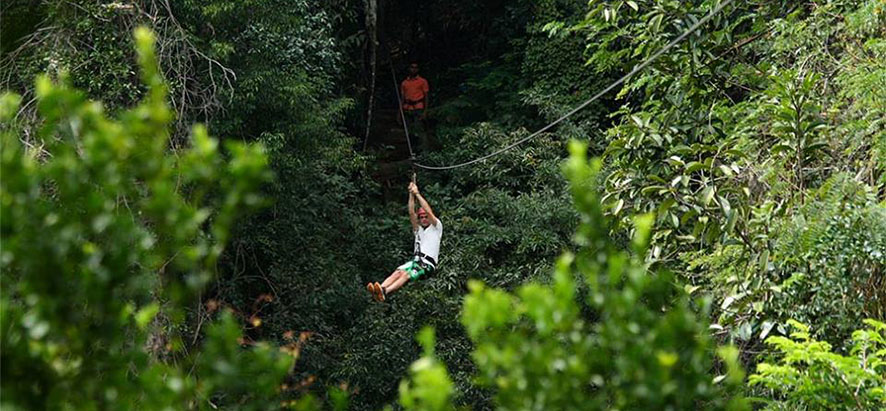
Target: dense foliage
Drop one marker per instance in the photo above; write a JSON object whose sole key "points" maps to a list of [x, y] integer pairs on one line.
{"points": [[628, 340], [757, 149], [812, 376], [105, 234], [755, 152]]}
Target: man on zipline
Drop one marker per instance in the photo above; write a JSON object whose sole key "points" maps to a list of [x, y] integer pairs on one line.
{"points": [[428, 230], [414, 95]]}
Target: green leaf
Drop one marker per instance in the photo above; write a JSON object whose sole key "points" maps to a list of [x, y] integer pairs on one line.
{"points": [[666, 205], [618, 206], [765, 329], [731, 218], [674, 220], [694, 166], [676, 180], [727, 302], [146, 314], [707, 195], [724, 204], [9, 103], [815, 146], [655, 23], [763, 260], [781, 148], [725, 170], [650, 189]]}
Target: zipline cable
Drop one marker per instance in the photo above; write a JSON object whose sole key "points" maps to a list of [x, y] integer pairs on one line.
{"points": [[624, 78]]}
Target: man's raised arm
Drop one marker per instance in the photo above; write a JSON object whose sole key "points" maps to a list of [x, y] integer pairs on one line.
{"points": [[424, 204], [412, 217]]}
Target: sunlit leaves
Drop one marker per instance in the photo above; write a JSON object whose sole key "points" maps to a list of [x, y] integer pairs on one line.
{"points": [[811, 375], [429, 387]]}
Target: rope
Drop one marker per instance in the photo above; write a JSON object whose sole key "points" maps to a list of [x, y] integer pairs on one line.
{"points": [[624, 78], [402, 115]]}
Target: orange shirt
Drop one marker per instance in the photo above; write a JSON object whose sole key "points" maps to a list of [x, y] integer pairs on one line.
{"points": [[414, 91]]}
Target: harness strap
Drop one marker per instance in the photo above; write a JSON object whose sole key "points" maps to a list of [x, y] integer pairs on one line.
{"points": [[427, 259]]}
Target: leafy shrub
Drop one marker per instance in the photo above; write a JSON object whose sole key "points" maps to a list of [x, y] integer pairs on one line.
{"points": [[822, 266], [104, 233], [810, 376], [789, 119], [833, 254], [431, 387]]}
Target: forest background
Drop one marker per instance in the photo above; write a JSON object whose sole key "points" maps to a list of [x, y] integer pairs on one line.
{"points": [[728, 249]]}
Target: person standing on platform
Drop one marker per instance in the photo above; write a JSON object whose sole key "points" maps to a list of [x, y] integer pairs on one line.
{"points": [[414, 92]]}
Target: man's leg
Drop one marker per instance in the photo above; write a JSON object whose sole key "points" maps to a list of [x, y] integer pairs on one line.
{"points": [[393, 277], [430, 137], [401, 279], [415, 135], [421, 127], [377, 294]]}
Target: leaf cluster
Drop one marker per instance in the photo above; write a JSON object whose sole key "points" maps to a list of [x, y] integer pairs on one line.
{"points": [[107, 237]]}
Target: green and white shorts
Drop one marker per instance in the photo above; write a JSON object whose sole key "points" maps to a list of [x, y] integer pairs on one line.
{"points": [[416, 269]]}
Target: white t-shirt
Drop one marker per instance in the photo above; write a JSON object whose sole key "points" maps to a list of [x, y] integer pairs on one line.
{"points": [[427, 240]]}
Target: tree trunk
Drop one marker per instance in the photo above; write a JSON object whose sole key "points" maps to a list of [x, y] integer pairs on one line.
{"points": [[372, 34]]}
